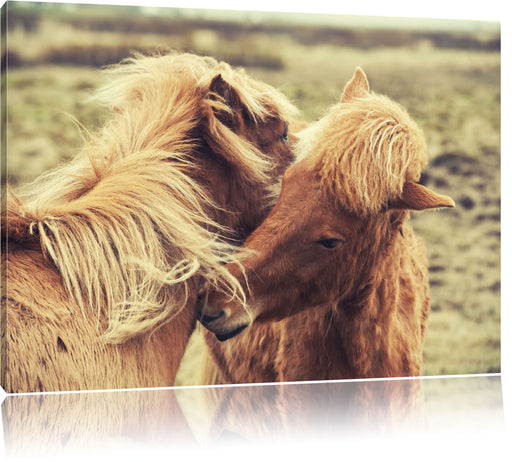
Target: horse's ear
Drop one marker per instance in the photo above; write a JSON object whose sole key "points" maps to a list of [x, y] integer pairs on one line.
{"points": [[418, 197], [223, 91], [357, 87]]}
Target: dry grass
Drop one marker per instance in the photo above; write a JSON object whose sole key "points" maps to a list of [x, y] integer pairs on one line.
{"points": [[454, 94]]}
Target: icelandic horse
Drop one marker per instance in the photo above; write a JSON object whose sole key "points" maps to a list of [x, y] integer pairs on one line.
{"points": [[335, 281], [104, 254]]}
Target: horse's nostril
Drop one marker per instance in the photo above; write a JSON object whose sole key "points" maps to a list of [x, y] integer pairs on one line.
{"points": [[207, 319]]}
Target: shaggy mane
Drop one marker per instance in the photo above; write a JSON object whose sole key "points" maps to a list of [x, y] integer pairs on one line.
{"points": [[364, 151], [125, 223]]}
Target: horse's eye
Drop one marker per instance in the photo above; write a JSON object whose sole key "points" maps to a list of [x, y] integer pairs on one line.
{"points": [[284, 136], [329, 243]]}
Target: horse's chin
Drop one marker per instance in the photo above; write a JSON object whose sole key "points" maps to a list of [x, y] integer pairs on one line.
{"points": [[220, 322], [216, 325], [226, 336], [219, 325]]}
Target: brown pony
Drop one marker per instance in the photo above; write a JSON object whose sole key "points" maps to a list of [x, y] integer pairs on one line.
{"points": [[105, 251], [336, 259]]}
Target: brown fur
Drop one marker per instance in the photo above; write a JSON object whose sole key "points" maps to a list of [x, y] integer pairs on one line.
{"points": [[336, 261], [109, 249]]}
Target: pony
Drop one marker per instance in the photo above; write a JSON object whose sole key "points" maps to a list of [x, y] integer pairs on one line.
{"points": [[105, 253], [336, 282]]}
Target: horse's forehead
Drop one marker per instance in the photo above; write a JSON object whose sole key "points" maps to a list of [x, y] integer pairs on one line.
{"points": [[298, 182]]}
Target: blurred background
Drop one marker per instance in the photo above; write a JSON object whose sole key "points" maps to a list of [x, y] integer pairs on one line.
{"points": [[445, 72]]}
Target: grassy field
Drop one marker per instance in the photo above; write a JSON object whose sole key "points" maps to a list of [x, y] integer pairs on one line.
{"points": [[449, 82]]}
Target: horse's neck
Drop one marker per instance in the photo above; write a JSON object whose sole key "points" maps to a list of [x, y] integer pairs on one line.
{"points": [[370, 336]]}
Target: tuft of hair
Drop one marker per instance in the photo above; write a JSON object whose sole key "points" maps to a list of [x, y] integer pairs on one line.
{"points": [[126, 224], [365, 150], [147, 86]]}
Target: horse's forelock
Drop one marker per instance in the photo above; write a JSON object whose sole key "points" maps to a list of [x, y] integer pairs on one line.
{"points": [[365, 151]]}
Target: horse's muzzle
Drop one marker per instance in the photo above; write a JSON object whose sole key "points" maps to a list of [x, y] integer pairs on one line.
{"points": [[218, 322]]}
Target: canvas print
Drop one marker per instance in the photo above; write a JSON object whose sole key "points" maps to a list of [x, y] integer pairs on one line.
{"points": [[199, 197]]}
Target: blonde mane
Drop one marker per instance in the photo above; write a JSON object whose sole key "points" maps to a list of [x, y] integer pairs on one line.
{"points": [[365, 150], [126, 223]]}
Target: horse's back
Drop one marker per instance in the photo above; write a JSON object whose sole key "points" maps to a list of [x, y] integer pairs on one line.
{"points": [[50, 345], [34, 315]]}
